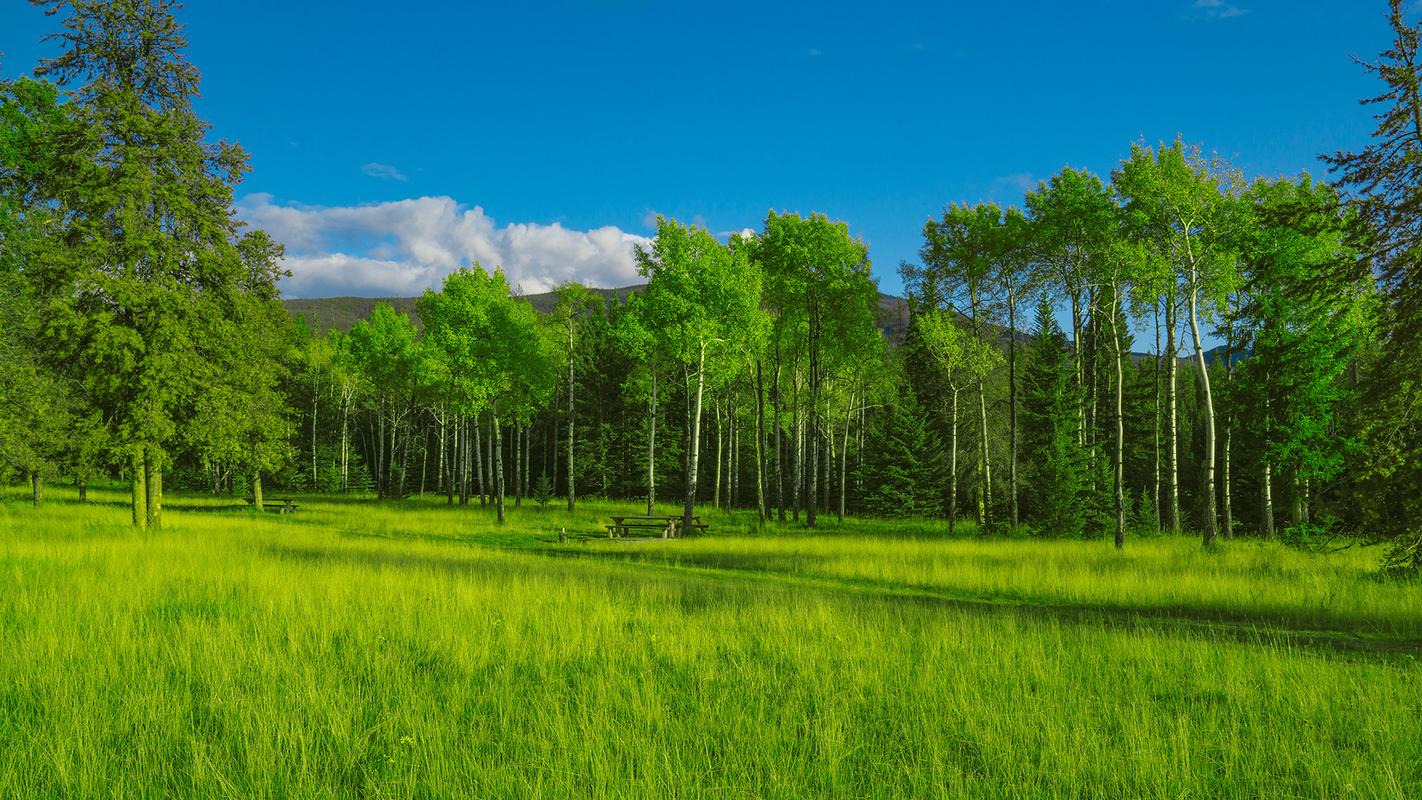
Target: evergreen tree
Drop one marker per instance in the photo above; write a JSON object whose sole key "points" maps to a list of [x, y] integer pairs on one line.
{"points": [[1054, 467], [135, 278], [1384, 182], [903, 467]]}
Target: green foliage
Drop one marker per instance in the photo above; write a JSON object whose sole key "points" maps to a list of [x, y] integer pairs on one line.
{"points": [[1384, 185], [903, 466], [543, 491], [702, 298], [488, 348], [1303, 335], [964, 360], [1055, 494]]}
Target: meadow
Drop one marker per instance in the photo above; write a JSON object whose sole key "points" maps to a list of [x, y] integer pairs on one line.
{"points": [[416, 650]]}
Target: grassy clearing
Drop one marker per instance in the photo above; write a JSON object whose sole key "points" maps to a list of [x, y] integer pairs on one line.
{"points": [[419, 650]]}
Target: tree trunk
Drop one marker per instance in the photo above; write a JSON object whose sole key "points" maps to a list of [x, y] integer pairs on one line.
{"points": [[797, 426], [844, 456], [257, 491], [812, 489], [424, 455], [1172, 364], [652, 447], [694, 443], [1080, 367], [760, 443], [498, 448], [1155, 486], [733, 452], [1296, 498], [1012, 405], [37, 488], [380, 473], [984, 463], [315, 403], [775, 409], [720, 454], [572, 495], [518, 465], [556, 455], [1226, 507], [1119, 473], [83, 491], [1208, 484], [404, 447], [953, 467], [345, 441], [453, 461], [443, 434], [477, 469], [153, 485], [140, 492], [813, 411], [1266, 498], [1091, 370]]}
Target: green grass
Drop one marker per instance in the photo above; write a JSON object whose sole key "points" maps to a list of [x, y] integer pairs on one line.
{"points": [[414, 650]]}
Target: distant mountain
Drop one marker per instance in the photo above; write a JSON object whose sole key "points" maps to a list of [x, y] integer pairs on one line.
{"points": [[340, 313], [892, 316]]}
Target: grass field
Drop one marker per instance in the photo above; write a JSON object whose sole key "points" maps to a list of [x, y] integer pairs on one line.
{"points": [[414, 650]]}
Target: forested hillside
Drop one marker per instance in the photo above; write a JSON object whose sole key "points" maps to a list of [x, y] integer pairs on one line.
{"points": [[325, 314]]}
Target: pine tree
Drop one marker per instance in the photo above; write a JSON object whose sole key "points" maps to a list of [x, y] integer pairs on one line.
{"points": [[1054, 469], [903, 469]]}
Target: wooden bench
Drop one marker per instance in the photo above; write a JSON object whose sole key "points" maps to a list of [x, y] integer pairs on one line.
{"points": [[670, 526], [281, 505]]}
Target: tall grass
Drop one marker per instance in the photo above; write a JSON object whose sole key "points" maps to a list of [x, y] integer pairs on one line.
{"points": [[361, 650]]}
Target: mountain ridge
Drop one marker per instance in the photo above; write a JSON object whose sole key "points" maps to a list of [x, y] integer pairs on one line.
{"points": [[324, 314]]}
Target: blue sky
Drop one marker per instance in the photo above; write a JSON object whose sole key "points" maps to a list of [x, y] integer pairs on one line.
{"points": [[391, 142]]}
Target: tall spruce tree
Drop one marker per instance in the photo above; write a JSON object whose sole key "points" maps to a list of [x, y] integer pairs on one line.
{"points": [[1383, 181], [1054, 473], [903, 464], [141, 265]]}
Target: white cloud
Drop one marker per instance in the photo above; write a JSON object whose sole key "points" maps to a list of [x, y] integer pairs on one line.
{"points": [[1217, 9], [384, 171], [1014, 185], [406, 246]]}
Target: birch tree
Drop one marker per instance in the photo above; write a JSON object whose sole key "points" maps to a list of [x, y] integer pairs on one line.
{"points": [[575, 301], [705, 296], [1179, 201], [964, 361]]}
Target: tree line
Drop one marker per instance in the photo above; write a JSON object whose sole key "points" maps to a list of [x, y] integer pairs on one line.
{"points": [[143, 334]]}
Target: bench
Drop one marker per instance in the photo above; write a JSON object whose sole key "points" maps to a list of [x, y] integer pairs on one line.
{"points": [[667, 525], [281, 505]]}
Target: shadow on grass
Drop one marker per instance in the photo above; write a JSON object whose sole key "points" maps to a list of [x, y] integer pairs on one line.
{"points": [[721, 574], [1233, 625]]}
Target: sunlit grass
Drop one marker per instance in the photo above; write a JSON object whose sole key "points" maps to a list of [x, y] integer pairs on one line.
{"points": [[355, 649]]}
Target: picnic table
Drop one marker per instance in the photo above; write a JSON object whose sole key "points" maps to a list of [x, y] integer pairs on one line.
{"points": [[668, 525], [282, 505]]}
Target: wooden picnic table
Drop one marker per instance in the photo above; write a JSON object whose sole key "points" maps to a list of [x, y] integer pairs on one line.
{"points": [[669, 525], [282, 505]]}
